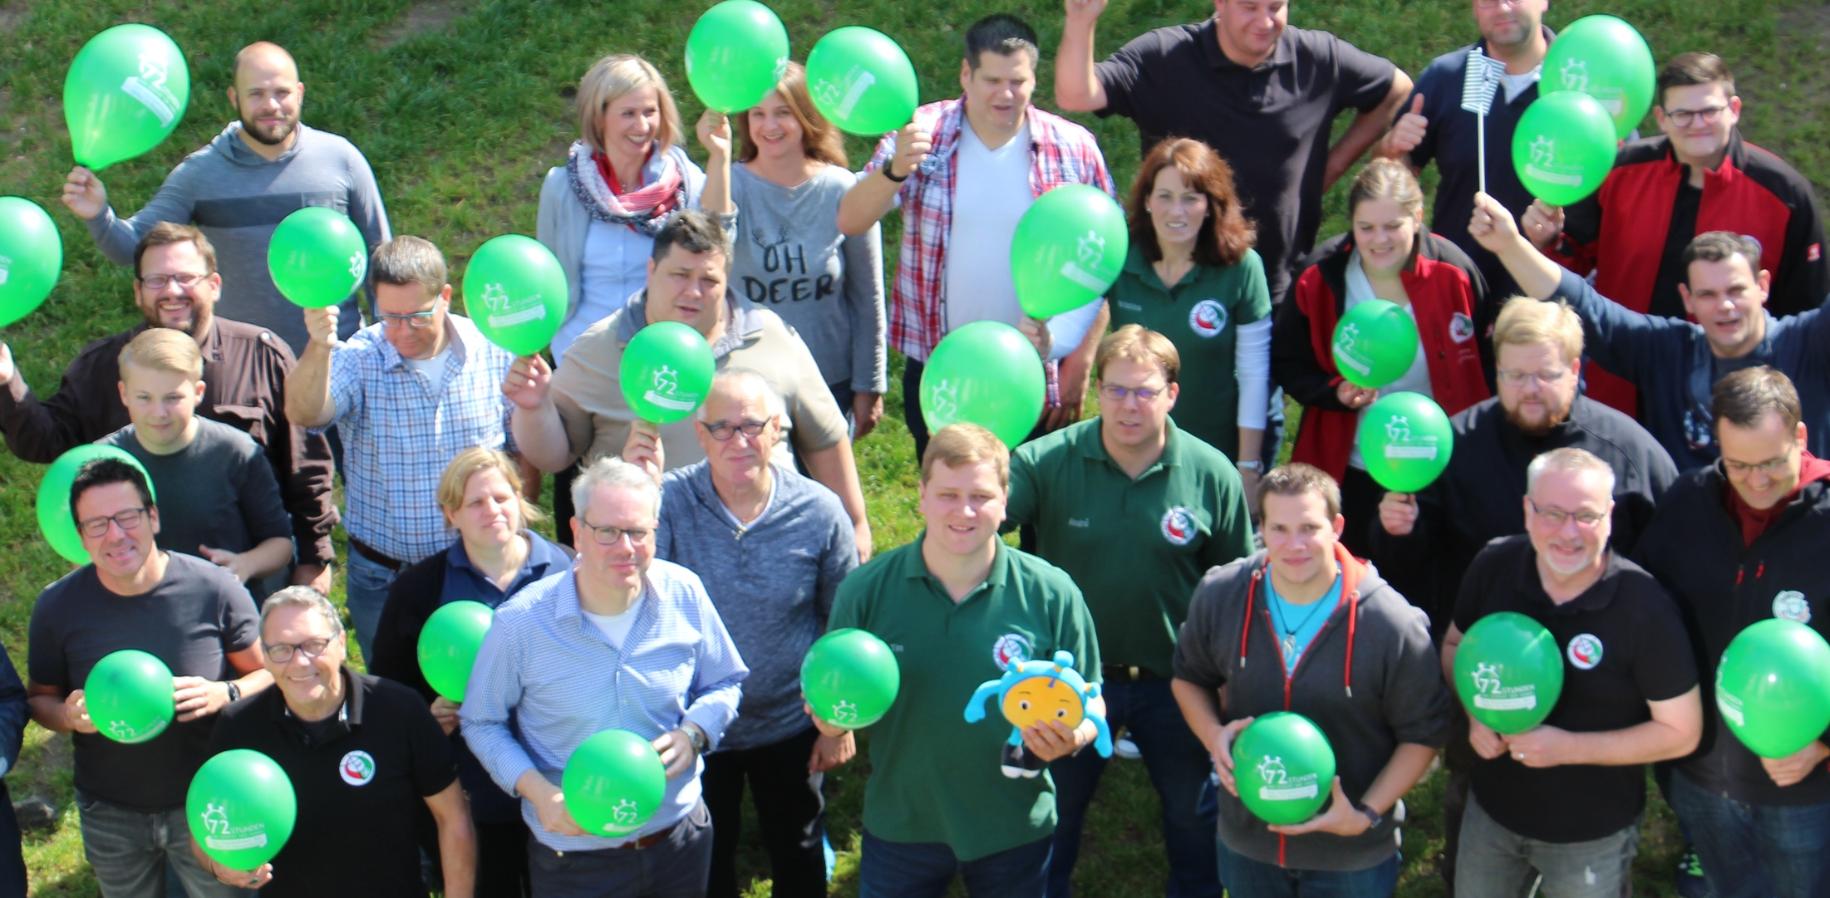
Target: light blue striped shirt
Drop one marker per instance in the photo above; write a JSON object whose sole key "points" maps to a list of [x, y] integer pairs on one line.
{"points": [[398, 436], [550, 669]]}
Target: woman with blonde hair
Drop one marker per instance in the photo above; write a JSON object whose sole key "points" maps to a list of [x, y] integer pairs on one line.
{"points": [[493, 556], [1388, 255], [625, 174], [790, 256]]}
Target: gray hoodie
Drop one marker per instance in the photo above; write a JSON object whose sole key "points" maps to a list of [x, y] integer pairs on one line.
{"points": [[1393, 694], [238, 198]]}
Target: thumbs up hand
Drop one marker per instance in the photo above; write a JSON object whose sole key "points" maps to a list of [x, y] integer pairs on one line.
{"points": [[1407, 132]]}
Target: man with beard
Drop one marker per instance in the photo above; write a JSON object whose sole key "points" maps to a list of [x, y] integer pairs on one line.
{"points": [[258, 170], [1432, 537], [1435, 128], [176, 285]]}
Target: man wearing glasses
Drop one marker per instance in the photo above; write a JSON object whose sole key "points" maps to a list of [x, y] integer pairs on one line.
{"points": [[578, 412], [624, 641], [1131, 485], [408, 393], [1629, 698], [1701, 175], [771, 546], [1738, 543], [1676, 362], [176, 285], [362, 753], [192, 615]]}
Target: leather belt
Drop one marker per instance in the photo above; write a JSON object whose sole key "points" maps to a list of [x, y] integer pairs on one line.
{"points": [[1126, 673], [365, 550]]}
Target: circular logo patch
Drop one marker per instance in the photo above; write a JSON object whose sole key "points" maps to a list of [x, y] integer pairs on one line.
{"points": [[1791, 605], [1461, 328], [1585, 651], [1178, 526], [357, 768], [1010, 649], [1207, 318]]}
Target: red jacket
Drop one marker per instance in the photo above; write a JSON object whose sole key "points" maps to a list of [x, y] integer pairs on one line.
{"points": [[1622, 232], [1449, 300]]}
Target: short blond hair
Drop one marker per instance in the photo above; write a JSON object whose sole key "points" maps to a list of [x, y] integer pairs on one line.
{"points": [[1136, 343], [608, 80], [1569, 460], [163, 349], [474, 461], [1525, 321], [958, 445]]}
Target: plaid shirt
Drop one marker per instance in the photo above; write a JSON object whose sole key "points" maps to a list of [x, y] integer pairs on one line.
{"points": [[1061, 152], [398, 437]]}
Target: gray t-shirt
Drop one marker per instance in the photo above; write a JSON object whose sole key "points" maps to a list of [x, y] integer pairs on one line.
{"points": [[193, 619], [791, 259], [219, 491]]}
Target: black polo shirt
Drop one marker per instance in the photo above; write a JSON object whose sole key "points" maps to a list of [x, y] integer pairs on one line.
{"points": [[1623, 645], [1271, 122], [361, 779]]}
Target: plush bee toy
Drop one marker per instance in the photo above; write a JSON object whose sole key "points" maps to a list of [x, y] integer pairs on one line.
{"points": [[1035, 691]]}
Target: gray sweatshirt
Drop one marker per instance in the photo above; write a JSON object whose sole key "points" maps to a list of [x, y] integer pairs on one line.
{"points": [[772, 582], [238, 198], [792, 260]]}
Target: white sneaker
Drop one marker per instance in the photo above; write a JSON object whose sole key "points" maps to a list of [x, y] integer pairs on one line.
{"points": [[1123, 747]]}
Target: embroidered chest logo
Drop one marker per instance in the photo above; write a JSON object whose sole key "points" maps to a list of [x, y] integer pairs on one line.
{"points": [[357, 768], [1792, 605], [1178, 526], [1585, 651], [1011, 649], [1461, 328], [1207, 319]]}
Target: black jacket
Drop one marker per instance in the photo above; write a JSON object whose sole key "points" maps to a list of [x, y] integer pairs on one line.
{"points": [[1694, 547], [1480, 497]]}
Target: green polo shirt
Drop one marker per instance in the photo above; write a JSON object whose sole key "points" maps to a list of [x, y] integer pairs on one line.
{"points": [[1136, 547], [1199, 315], [934, 777]]}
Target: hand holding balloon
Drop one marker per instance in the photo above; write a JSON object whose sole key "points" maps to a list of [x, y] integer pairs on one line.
{"points": [[1487, 743], [1354, 397], [1542, 223], [1223, 753], [830, 751], [445, 711], [643, 449], [1492, 226], [549, 804], [1037, 331], [1792, 769], [76, 713], [714, 131], [1398, 513], [321, 325], [1341, 818], [912, 145], [1543, 746], [84, 194], [528, 382], [241, 879]]}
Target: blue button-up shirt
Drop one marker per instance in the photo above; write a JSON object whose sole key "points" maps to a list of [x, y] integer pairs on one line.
{"points": [[398, 436], [563, 682]]}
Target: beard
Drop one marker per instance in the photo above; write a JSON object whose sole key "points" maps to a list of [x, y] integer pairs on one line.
{"points": [[1553, 419], [273, 137]]}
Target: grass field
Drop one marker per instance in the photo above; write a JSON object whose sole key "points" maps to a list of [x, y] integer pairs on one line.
{"points": [[461, 106]]}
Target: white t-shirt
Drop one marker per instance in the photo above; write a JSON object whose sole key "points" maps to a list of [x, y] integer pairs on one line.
{"points": [[1416, 379], [1514, 85], [990, 194], [615, 627], [432, 369]]}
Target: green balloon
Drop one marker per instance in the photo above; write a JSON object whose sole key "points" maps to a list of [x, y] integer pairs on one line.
{"points": [[1405, 441], [666, 371], [1563, 147], [125, 92], [735, 55], [31, 257], [1773, 687], [129, 696], [1374, 344], [862, 81], [1068, 248], [613, 783], [515, 293], [1508, 672], [54, 518], [1606, 58], [448, 645], [985, 373], [1283, 767], [850, 678], [317, 257], [241, 808]]}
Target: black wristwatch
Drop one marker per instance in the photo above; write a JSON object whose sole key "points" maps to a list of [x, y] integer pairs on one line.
{"points": [[1373, 817], [234, 691], [888, 171]]}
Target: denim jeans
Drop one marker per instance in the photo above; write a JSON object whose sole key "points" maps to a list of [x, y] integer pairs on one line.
{"points": [[1755, 851], [1496, 861], [925, 869], [1177, 765], [365, 589], [1247, 878], [130, 851], [675, 868]]}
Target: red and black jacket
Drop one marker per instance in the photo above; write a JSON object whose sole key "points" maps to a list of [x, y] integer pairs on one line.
{"points": [[1448, 298], [1621, 233]]}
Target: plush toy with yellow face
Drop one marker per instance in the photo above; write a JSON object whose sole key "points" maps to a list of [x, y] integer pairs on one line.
{"points": [[1033, 692]]}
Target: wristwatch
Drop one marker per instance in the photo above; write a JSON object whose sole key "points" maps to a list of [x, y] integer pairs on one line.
{"points": [[696, 736], [1254, 465], [234, 692], [1374, 818]]}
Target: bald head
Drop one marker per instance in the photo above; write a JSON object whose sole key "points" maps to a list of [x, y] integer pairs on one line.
{"points": [[267, 96]]}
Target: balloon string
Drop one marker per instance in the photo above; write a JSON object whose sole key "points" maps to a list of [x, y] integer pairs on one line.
{"points": [[1480, 150]]}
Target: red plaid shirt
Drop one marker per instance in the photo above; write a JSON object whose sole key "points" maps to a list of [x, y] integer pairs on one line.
{"points": [[1061, 152]]}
